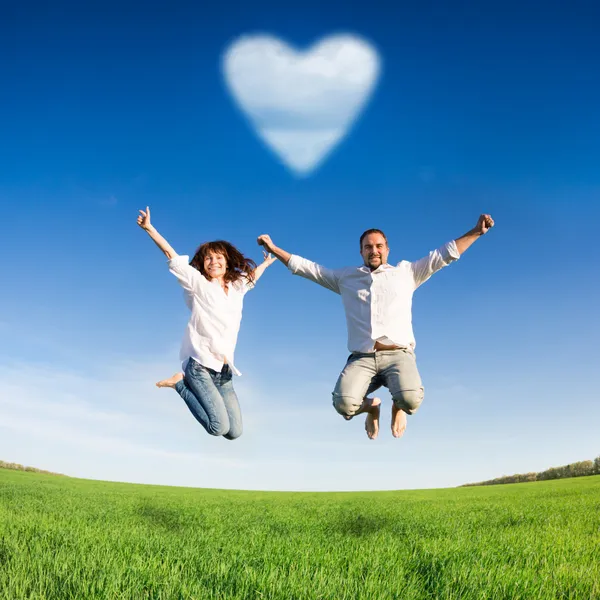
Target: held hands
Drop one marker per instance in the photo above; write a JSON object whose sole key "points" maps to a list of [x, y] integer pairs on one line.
{"points": [[484, 224], [266, 242], [143, 219], [267, 262], [268, 259]]}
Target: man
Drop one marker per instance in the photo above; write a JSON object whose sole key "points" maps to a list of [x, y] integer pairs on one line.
{"points": [[377, 299]]}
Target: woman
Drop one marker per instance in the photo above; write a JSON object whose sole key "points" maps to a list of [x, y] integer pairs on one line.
{"points": [[215, 282]]}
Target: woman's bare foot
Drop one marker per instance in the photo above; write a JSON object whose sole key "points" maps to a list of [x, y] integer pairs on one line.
{"points": [[171, 382], [372, 420], [398, 421]]}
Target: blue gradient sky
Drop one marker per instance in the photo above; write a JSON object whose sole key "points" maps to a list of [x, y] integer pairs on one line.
{"points": [[107, 108]]}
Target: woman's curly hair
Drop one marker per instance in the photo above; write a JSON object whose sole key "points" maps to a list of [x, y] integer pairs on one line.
{"points": [[238, 266]]}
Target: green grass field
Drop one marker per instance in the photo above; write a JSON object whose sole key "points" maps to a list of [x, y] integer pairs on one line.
{"points": [[72, 538]]}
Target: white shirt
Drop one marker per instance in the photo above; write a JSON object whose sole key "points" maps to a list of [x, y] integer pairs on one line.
{"points": [[378, 304], [212, 331]]}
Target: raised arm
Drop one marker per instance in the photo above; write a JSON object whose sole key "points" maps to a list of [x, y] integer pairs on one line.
{"points": [[484, 224], [267, 242], [267, 262], [437, 259], [302, 267], [143, 221], [190, 279]]}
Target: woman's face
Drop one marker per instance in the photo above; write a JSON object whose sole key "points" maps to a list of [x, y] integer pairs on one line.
{"points": [[215, 265]]}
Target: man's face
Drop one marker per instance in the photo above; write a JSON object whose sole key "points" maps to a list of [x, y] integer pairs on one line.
{"points": [[374, 250]]}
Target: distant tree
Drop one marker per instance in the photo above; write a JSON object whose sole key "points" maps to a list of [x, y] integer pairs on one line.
{"points": [[18, 467], [551, 473], [582, 468], [577, 469]]}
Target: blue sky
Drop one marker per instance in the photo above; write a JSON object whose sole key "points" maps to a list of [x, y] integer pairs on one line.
{"points": [[109, 108]]}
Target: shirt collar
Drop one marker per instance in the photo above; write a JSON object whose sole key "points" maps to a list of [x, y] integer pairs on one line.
{"points": [[383, 267]]}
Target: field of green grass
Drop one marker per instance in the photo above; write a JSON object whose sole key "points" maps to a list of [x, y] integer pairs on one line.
{"points": [[69, 538]]}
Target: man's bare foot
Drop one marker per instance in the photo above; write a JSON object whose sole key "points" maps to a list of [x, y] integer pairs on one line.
{"points": [[171, 382], [372, 420], [398, 421]]}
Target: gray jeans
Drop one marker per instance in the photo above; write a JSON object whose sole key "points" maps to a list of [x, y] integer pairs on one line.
{"points": [[364, 373]]}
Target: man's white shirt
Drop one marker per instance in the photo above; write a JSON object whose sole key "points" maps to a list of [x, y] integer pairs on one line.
{"points": [[378, 304]]}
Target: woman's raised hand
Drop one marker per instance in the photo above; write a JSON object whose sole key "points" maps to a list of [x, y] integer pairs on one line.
{"points": [[143, 219]]}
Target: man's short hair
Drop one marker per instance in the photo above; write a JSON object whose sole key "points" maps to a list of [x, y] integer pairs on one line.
{"points": [[368, 231]]}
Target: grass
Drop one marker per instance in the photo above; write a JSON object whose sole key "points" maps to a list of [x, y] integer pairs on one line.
{"points": [[73, 538]]}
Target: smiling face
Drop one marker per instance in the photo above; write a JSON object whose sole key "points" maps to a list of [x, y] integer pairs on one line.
{"points": [[374, 250], [215, 265]]}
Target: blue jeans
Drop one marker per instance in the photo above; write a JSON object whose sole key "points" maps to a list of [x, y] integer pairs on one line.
{"points": [[211, 399]]}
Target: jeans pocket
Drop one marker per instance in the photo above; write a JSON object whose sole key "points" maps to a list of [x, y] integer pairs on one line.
{"points": [[196, 368]]}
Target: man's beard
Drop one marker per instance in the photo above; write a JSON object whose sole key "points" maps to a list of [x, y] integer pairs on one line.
{"points": [[374, 267]]}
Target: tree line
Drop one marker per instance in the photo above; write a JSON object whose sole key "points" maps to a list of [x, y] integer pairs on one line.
{"points": [[18, 467], [576, 469]]}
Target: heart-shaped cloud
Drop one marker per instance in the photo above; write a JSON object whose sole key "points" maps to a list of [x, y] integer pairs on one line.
{"points": [[301, 104]]}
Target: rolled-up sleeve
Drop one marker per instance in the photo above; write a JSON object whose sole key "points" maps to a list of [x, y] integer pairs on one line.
{"points": [[245, 285], [190, 279], [328, 278], [425, 267]]}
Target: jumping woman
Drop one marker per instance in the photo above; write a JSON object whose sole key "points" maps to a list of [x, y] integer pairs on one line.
{"points": [[215, 282]]}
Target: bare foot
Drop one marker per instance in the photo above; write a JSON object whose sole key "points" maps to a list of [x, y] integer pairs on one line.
{"points": [[372, 420], [171, 382], [398, 421]]}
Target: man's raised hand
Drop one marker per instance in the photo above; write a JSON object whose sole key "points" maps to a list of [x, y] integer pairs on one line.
{"points": [[266, 242], [484, 224]]}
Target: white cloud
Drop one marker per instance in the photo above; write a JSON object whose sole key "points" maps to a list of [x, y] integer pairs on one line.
{"points": [[302, 149], [114, 424], [301, 104]]}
